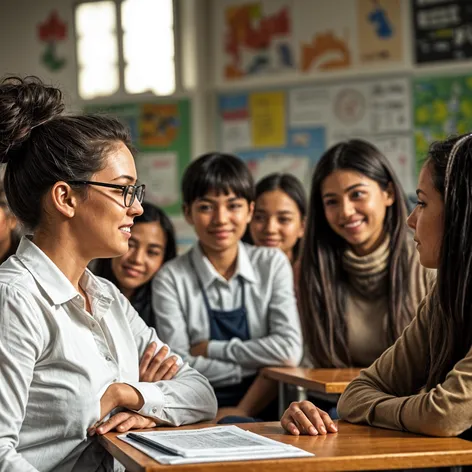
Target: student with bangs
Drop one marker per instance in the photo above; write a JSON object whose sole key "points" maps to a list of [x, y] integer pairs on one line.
{"points": [[228, 308], [360, 279]]}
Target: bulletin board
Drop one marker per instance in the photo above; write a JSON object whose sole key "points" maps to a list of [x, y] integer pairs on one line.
{"points": [[288, 129], [161, 133]]}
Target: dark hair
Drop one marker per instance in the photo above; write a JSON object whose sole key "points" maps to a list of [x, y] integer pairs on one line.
{"points": [[450, 335], [41, 146], [151, 214], [222, 173], [289, 184], [323, 283], [15, 233]]}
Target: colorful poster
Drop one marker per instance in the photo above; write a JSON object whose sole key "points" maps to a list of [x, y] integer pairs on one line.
{"points": [[308, 106], [379, 30], [442, 30], [162, 136], [258, 38], [267, 112], [325, 34], [442, 107]]}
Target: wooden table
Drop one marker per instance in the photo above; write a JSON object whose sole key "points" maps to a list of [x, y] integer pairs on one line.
{"points": [[327, 383], [354, 447]]}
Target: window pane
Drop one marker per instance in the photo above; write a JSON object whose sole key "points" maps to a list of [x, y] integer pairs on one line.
{"points": [[157, 77], [96, 17], [93, 83], [148, 46], [97, 50]]}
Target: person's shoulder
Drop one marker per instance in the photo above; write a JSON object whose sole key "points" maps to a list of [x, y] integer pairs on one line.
{"points": [[14, 274]]}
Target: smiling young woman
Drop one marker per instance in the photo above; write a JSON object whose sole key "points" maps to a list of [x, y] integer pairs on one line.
{"points": [[423, 382], [151, 244]]}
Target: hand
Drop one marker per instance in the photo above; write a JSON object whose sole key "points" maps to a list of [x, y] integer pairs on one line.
{"points": [[200, 349], [230, 411], [306, 418], [154, 367], [124, 421]]}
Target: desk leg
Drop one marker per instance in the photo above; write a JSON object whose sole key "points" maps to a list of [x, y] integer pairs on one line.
{"points": [[282, 402], [301, 394]]}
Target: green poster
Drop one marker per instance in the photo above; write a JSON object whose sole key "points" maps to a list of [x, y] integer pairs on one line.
{"points": [[162, 136], [442, 108]]}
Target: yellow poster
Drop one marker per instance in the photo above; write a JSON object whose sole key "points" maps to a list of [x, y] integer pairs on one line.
{"points": [[267, 112], [380, 30]]}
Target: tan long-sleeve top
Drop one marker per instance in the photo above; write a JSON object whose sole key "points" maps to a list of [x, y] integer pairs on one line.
{"points": [[390, 393]]}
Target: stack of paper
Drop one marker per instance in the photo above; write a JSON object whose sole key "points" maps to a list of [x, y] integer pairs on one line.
{"points": [[216, 444]]}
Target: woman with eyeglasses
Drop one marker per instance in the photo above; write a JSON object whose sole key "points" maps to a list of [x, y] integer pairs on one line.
{"points": [[70, 342]]}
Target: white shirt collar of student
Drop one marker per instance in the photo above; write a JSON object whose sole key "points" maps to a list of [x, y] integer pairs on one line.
{"points": [[55, 284], [208, 273]]}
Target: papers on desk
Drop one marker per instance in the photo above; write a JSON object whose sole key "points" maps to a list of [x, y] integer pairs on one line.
{"points": [[215, 444]]}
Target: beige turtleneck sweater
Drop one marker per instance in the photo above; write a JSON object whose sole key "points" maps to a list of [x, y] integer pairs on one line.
{"points": [[366, 301], [390, 393]]}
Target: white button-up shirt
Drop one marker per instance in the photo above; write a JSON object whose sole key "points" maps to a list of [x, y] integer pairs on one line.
{"points": [[274, 326], [57, 360]]}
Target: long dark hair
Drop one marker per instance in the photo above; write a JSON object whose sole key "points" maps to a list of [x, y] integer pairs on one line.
{"points": [[289, 184], [450, 337], [323, 281], [42, 146], [151, 214]]}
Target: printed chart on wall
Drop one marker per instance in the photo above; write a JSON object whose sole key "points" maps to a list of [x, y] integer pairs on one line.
{"points": [[442, 107], [161, 134], [288, 130]]}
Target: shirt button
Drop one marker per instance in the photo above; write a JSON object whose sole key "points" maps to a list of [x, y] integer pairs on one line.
{"points": [[108, 358], [115, 380], [154, 410], [93, 325]]}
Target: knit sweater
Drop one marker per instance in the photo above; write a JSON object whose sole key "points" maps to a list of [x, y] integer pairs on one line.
{"points": [[367, 300], [391, 394]]}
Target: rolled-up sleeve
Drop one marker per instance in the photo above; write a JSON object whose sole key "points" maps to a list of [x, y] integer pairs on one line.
{"points": [[186, 398]]}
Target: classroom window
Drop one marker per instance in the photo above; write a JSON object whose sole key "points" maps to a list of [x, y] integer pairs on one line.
{"points": [[125, 45]]}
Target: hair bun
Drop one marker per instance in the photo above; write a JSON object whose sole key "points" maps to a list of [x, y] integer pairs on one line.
{"points": [[24, 105]]}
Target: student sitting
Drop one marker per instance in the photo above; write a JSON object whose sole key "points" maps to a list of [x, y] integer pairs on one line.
{"points": [[71, 343], [279, 214], [423, 383], [226, 307], [360, 279], [152, 243]]}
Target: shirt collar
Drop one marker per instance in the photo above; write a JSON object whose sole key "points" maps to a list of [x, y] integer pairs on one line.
{"points": [[55, 284], [208, 274]]}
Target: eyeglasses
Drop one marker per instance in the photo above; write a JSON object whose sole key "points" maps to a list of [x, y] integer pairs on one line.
{"points": [[130, 192]]}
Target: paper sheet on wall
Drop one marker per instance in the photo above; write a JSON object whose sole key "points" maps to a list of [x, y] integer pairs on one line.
{"points": [[236, 134], [308, 106], [159, 171], [267, 111]]}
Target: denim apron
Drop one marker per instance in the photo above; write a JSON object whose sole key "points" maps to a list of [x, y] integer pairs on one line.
{"points": [[225, 325]]}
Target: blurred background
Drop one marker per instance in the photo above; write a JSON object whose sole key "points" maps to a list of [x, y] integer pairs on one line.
{"points": [[274, 81]]}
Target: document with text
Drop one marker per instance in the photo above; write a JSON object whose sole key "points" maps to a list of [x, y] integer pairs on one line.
{"points": [[219, 443]]}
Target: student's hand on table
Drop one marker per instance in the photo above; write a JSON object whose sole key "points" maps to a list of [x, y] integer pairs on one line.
{"points": [[154, 367], [230, 411], [122, 422], [306, 418], [200, 349]]}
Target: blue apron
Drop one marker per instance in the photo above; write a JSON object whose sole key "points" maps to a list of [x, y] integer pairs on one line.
{"points": [[225, 325]]}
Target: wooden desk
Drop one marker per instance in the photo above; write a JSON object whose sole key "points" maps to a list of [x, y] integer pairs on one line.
{"points": [[326, 384], [316, 380], [355, 447]]}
